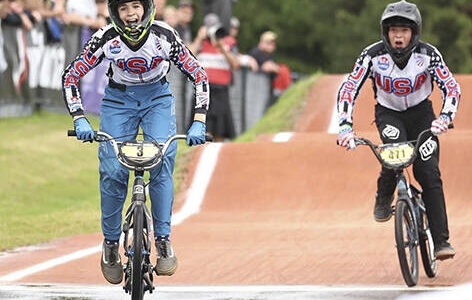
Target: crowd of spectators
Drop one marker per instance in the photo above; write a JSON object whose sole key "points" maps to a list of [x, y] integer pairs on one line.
{"points": [[40, 37]]}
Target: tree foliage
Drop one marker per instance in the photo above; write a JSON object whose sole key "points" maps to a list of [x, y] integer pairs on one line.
{"points": [[329, 35]]}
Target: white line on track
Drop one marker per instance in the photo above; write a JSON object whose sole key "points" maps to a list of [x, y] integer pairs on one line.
{"points": [[333, 124], [192, 204], [50, 264], [282, 137], [196, 192]]}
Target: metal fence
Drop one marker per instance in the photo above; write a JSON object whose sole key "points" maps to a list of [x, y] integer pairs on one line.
{"points": [[250, 96]]}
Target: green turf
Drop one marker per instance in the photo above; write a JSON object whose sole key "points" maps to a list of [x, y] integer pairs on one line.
{"points": [[49, 185], [283, 114]]}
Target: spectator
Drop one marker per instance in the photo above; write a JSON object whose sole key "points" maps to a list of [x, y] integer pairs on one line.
{"points": [[53, 56], [160, 9], [185, 11], [170, 15], [218, 55], [264, 55], [52, 12], [3, 62], [244, 60], [78, 14], [264, 52], [222, 8], [15, 19], [103, 17], [34, 44]]}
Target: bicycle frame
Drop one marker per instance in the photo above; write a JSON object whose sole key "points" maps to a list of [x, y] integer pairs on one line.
{"points": [[138, 199], [139, 160], [411, 209]]}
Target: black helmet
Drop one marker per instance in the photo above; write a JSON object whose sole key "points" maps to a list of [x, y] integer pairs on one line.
{"points": [[135, 32], [401, 13]]}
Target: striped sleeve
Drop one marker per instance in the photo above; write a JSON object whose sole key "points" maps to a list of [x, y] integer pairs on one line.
{"points": [[89, 58], [446, 82], [186, 62], [351, 86]]}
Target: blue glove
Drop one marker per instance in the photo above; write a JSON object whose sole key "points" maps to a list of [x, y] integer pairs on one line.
{"points": [[83, 130], [196, 133]]}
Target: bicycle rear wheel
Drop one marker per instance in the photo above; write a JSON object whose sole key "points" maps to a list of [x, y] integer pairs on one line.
{"points": [[137, 290], [406, 237], [426, 246]]}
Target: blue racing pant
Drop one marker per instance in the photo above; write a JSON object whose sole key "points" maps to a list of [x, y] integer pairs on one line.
{"points": [[151, 107]]}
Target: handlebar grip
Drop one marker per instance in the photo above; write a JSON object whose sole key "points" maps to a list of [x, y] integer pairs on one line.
{"points": [[72, 132], [209, 137]]}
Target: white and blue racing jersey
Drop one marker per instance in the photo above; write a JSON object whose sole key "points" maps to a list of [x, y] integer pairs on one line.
{"points": [[395, 88], [145, 63]]}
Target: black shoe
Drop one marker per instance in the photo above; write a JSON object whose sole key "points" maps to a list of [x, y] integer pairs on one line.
{"points": [[112, 269], [166, 259], [383, 208], [444, 251]]}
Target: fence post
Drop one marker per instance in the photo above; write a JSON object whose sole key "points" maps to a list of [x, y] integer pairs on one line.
{"points": [[243, 98]]}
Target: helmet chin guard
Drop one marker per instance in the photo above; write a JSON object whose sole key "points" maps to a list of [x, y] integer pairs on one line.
{"points": [[135, 32], [401, 13]]}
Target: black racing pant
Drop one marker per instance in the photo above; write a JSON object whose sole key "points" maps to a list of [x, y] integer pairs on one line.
{"points": [[219, 117], [397, 126]]}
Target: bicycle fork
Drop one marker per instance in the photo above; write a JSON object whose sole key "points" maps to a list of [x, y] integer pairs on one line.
{"points": [[138, 199], [404, 193]]}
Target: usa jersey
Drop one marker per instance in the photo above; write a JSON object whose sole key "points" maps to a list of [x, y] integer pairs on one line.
{"points": [[395, 88], [145, 63]]}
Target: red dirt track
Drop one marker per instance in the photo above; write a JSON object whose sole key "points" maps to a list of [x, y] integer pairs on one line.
{"points": [[298, 212]]}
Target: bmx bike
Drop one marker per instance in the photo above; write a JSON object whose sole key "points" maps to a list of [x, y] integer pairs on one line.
{"points": [[411, 222], [138, 156]]}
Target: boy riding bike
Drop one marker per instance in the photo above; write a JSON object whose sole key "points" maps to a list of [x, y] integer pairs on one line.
{"points": [[402, 68], [139, 51]]}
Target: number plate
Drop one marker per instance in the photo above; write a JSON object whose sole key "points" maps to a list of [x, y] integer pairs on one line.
{"points": [[396, 155], [139, 151]]}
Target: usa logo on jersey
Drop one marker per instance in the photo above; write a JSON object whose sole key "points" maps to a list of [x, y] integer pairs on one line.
{"points": [[384, 63], [115, 47]]}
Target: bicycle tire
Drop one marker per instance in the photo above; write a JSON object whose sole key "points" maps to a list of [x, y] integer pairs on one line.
{"points": [[430, 264], [137, 291], [405, 227]]}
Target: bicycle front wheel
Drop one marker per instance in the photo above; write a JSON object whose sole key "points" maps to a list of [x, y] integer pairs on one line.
{"points": [[137, 290], [406, 237], [426, 246]]}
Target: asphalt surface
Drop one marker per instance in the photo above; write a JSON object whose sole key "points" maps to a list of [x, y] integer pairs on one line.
{"points": [[79, 292]]}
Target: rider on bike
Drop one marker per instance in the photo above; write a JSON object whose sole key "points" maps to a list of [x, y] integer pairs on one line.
{"points": [[402, 69], [139, 51]]}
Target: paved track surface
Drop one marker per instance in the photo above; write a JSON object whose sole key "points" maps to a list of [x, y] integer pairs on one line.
{"points": [[294, 213]]}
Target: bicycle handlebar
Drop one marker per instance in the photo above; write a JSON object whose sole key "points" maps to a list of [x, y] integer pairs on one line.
{"points": [[70, 132], [374, 147], [101, 137]]}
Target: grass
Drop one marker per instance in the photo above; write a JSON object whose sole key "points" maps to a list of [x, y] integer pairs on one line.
{"points": [[283, 114], [49, 185]]}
